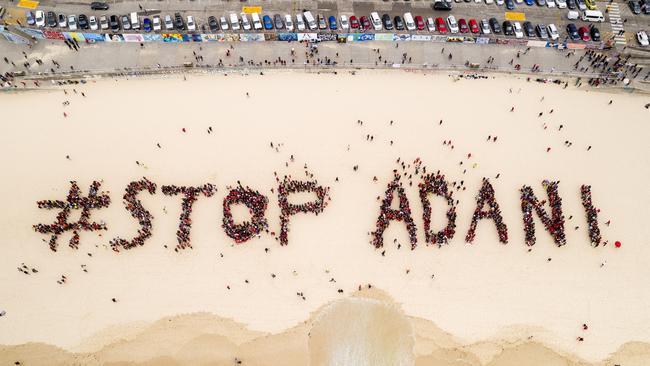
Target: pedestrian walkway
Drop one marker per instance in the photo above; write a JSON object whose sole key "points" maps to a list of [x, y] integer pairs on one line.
{"points": [[617, 23]]}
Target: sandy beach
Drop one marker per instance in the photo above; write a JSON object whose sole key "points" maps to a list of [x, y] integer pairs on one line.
{"points": [[484, 303]]}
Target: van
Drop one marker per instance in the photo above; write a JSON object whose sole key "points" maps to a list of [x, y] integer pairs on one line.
{"points": [[309, 19], [234, 21], [410, 23], [257, 24], [573, 15], [376, 21], [593, 16], [135, 23]]}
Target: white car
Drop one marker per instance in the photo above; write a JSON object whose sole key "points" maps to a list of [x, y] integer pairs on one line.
{"points": [[156, 24], [63, 21], [485, 26], [376, 21], [561, 4], [92, 22], [234, 21], [223, 23], [642, 37], [431, 25], [452, 24], [519, 33], [169, 24], [300, 22], [499, 2], [345, 24], [550, 3], [72, 22], [191, 26], [244, 21], [103, 22], [288, 22], [257, 24], [40, 18], [488, 2], [552, 32]]}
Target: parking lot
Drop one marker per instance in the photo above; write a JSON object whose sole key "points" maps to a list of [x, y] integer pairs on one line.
{"points": [[621, 17]]}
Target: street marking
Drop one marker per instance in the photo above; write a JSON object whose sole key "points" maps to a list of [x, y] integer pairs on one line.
{"points": [[515, 16], [616, 23], [28, 4]]}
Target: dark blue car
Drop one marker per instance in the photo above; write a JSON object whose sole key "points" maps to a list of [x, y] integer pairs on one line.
{"points": [[146, 24], [332, 21], [530, 2], [268, 23], [510, 4]]}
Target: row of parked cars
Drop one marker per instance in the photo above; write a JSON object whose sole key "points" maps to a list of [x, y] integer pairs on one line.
{"points": [[561, 4]]}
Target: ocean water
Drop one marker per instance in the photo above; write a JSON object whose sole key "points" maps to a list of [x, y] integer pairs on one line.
{"points": [[361, 332]]}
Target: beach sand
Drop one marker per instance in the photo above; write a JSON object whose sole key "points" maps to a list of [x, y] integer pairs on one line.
{"points": [[485, 303]]}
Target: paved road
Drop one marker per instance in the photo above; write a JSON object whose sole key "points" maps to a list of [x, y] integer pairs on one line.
{"points": [[620, 18]]}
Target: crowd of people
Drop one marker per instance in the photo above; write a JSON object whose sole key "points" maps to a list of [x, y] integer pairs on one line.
{"points": [[554, 224], [144, 217], [74, 201], [256, 204], [190, 195], [387, 214], [437, 185], [288, 186], [592, 215], [486, 195]]}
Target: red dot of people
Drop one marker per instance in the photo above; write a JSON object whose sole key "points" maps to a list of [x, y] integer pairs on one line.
{"points": [[617, 244]]}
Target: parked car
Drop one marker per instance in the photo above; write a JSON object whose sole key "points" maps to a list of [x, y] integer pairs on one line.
{"points": [[510, 4], [288, 22], [245, 24], [561, 4], [452, 23], [473, 26], [572, 32], [399, 23], [540, 29], [571, 4], [552, 32], [146, 25], [268, 22], [431, 25], [540, 2], [126, 23], [376, 21], [63, 21], [345, 23], [179, 24], [300, 22], [516, 27], [213, 24], [92, 22], [223, 23], [496, 27], [550, 3], [530, 2], [642, 38], [365, 23], [441, 25], [508, 29], [322, 25], [354, 23], [584, 34], [595, 34], [485, 26], [29, 17], [72, 22], [462, 26], [103, 22], [581, 5], [419, 22], [634, 6], [277, 19], [529, 29], [441, 5], [51, 19], [114, 22], [96, 5], [332, 21], [388, 23], [82, 21], [169, 23]]}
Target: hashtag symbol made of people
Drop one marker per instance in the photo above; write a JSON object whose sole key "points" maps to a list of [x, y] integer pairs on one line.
{"points": [[74, 201]]}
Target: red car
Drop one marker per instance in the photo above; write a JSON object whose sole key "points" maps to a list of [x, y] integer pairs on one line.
{"points": [[441, 25], [462, 25], [419, 22], [354, 23], [473, 25], [365, 23], [584, 34]]}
